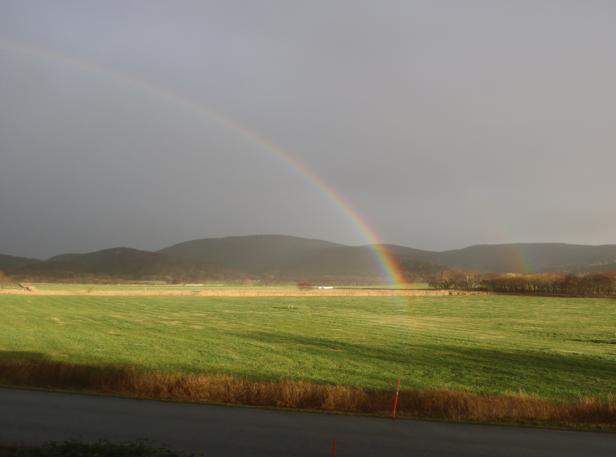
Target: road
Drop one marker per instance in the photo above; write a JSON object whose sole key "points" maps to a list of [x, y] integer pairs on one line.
{"points": [[33, 417]]}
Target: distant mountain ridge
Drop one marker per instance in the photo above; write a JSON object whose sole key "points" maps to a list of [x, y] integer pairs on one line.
{"points": [[256, 254], [10, 262], [114, 263], [288, 257], [530, 257], [285, 257]]}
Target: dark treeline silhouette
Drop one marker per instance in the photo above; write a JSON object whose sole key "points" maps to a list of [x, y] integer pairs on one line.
{"points": [[567, 284]]}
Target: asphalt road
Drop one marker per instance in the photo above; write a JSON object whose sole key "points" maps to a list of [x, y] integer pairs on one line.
{"points": [[29, 417]]}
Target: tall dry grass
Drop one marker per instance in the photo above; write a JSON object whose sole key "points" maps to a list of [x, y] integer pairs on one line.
{"points": [[442, 404]]}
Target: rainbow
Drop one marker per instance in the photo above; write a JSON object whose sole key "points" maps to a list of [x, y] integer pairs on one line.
{"points": [[520, 258], [380, 253]]}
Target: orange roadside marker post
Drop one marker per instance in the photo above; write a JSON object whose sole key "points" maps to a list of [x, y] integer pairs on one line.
{"points": [[394, 410], [334, 446]]}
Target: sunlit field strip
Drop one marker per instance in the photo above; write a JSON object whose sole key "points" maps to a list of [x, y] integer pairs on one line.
{"points": [[553, 348]]}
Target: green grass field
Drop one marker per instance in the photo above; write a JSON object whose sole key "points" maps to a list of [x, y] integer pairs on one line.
{"points": [[554, 348]]}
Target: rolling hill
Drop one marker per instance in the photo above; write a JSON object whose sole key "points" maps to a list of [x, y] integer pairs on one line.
{"points": [[279, 254], [10, 263], [518, 257], [124, 263], [529, 257], [258, 254], [288, 257]]}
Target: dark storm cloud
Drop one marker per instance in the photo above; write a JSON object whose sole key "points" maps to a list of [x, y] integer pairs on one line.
{"points": [[445, 123]]}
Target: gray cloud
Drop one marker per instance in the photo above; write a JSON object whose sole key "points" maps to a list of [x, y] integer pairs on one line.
{"points": [[444, 123]]}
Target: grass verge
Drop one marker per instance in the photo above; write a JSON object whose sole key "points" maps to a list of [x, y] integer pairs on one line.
{"points": [[587, 413], [96, 449]]}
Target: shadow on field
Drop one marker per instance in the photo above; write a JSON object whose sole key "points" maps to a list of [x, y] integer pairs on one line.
{"points": [[22, 355], [510, 370]]}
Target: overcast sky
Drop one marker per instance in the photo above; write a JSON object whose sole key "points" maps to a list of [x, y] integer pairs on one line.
{"points": [[444, 123]]}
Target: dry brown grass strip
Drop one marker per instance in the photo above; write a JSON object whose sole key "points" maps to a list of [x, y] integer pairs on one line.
{"points": [[442, 404], [244, 293]]}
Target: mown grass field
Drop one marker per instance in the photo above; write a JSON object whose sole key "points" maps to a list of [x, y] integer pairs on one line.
{"points": [[553, 348]]}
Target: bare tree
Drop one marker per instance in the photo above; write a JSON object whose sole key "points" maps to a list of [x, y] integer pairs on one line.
{"points": [[4, 279]]}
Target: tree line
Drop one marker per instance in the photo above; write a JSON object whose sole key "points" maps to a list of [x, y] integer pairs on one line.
{"points": [[566, 284]]}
